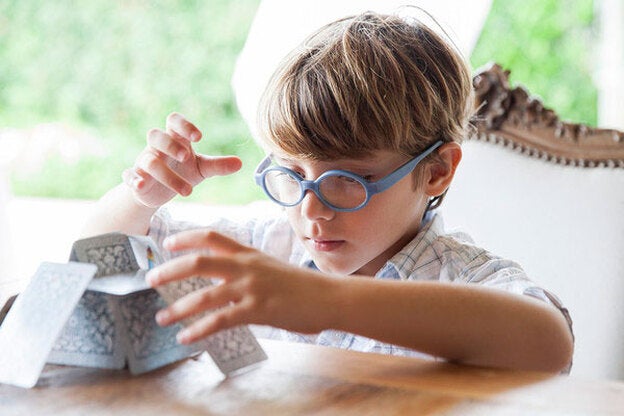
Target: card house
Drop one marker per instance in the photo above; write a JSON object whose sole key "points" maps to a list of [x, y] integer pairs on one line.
{"points": [[106, 317]]}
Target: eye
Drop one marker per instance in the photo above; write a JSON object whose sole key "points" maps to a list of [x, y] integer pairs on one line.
{"points": [[283, 176], [347, 179], [295, 170]]}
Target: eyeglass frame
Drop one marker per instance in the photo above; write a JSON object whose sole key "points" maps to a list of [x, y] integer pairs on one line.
{"points": [[371, 188]]}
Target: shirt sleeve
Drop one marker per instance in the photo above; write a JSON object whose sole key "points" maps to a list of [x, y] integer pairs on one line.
{"points": [[270, 234], [162, 225], [509, 276], [462, 261]]}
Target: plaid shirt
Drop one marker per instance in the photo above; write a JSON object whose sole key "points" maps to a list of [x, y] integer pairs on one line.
{"points": [[432, 255]]}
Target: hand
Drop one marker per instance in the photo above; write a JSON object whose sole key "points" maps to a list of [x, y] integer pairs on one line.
{"points": [[168, 165], [255, 288]]}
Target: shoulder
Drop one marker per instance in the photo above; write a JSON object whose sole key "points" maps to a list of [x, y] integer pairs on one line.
{"points": [[439, 255]]}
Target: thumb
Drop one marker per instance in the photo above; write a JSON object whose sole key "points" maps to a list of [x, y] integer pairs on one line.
{"points": [[217, 165]]}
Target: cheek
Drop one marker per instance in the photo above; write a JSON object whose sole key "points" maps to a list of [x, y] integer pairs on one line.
{"points": [[395, 212], [401, 200]]}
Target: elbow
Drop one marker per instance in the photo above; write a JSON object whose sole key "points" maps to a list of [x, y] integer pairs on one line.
{"points": [[556, 345], [562, 360], [559, 360]]}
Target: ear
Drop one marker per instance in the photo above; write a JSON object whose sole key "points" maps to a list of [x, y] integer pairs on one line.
{"points": [[439, 173]]}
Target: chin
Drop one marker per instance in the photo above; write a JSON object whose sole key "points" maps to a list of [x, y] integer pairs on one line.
{"points": [[343, 270]]}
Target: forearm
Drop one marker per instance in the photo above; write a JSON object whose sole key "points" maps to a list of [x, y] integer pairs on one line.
{"points": [[464, 323], [118, 211]]}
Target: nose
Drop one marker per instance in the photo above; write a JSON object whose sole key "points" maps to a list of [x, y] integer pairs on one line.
{"points": [[314, 209]]}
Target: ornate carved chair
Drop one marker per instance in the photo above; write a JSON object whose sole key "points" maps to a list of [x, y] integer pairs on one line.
{"points": [[549, 194]]}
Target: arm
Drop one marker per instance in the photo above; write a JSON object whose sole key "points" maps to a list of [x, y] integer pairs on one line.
{"points": [[464, 323], [168, 166]]}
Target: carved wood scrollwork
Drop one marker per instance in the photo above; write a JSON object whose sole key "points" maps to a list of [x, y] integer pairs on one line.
{"points": [[514, 118]]}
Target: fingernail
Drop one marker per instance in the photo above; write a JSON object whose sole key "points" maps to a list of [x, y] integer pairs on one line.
{"points": [[184, 336], [162, 317], [186, 190], [195, 136], [181, 156]]}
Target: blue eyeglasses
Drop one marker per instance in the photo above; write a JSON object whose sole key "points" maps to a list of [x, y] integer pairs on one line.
{"points": [[340, 190]]}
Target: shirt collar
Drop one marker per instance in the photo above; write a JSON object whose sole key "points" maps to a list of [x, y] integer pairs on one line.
{"points": [[404, 262]]}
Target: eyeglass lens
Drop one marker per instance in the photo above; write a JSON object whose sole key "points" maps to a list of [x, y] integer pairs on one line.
{"points": [[338, 190]]}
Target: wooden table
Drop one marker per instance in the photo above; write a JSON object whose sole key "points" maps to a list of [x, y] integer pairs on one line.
{"points": [[306, 379]]}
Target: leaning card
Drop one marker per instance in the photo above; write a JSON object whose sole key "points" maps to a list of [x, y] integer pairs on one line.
{"points": [[39, 314], [91, 337], [112, 253], [234, 348], [149, 346], [231, 349], [173, 291]]}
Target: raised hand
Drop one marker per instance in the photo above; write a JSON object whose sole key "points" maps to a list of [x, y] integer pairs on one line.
{"points": [[169, 166]]}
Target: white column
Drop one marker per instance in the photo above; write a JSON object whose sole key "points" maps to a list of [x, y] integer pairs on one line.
{"points": [[610, 68]]}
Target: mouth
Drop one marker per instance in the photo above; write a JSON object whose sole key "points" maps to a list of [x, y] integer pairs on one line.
{"points": [[325, 245]]}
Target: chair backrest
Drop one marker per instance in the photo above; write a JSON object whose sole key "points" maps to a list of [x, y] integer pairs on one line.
{"points": [[550, 195]]}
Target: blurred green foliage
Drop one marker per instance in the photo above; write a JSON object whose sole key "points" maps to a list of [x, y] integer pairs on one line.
{"points": [[549, 47], [116, 69]]}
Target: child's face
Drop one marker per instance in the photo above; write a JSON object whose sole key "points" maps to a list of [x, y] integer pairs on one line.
{"points": [[360, 241]]}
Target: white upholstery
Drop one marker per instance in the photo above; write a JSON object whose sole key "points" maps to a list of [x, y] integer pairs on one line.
{"points": [[565, 225]]}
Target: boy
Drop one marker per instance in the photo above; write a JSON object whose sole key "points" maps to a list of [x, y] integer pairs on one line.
{"points": [[362, 125]]}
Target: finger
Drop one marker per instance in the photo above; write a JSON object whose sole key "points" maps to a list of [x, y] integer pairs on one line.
{"points": [[178, 124], [203, 238], [227, 317], [218, 165], [177, 149], [196, 302], [156, 167], [192, 265]]}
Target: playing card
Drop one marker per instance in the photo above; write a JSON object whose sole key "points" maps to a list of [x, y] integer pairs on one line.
{"points": [[36, 319], [148, 345], [122, 261], [120, 284], [231, 349], [177, 289], [234, 348], [112, 253], [92, 335], [146, 252]]}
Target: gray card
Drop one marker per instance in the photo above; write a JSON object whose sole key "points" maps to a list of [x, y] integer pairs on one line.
{"points": [[150, 346], [112, 253], [92, 336], [39, 314]]}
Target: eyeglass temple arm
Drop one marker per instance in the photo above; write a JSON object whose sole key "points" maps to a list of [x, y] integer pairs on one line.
{"points": [[397, 175]]}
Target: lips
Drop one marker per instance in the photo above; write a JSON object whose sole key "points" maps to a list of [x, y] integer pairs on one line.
{"points": [[326, 245]]}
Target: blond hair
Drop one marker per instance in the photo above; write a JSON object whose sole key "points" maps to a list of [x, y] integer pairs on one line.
{"points": [[365, 83]]}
